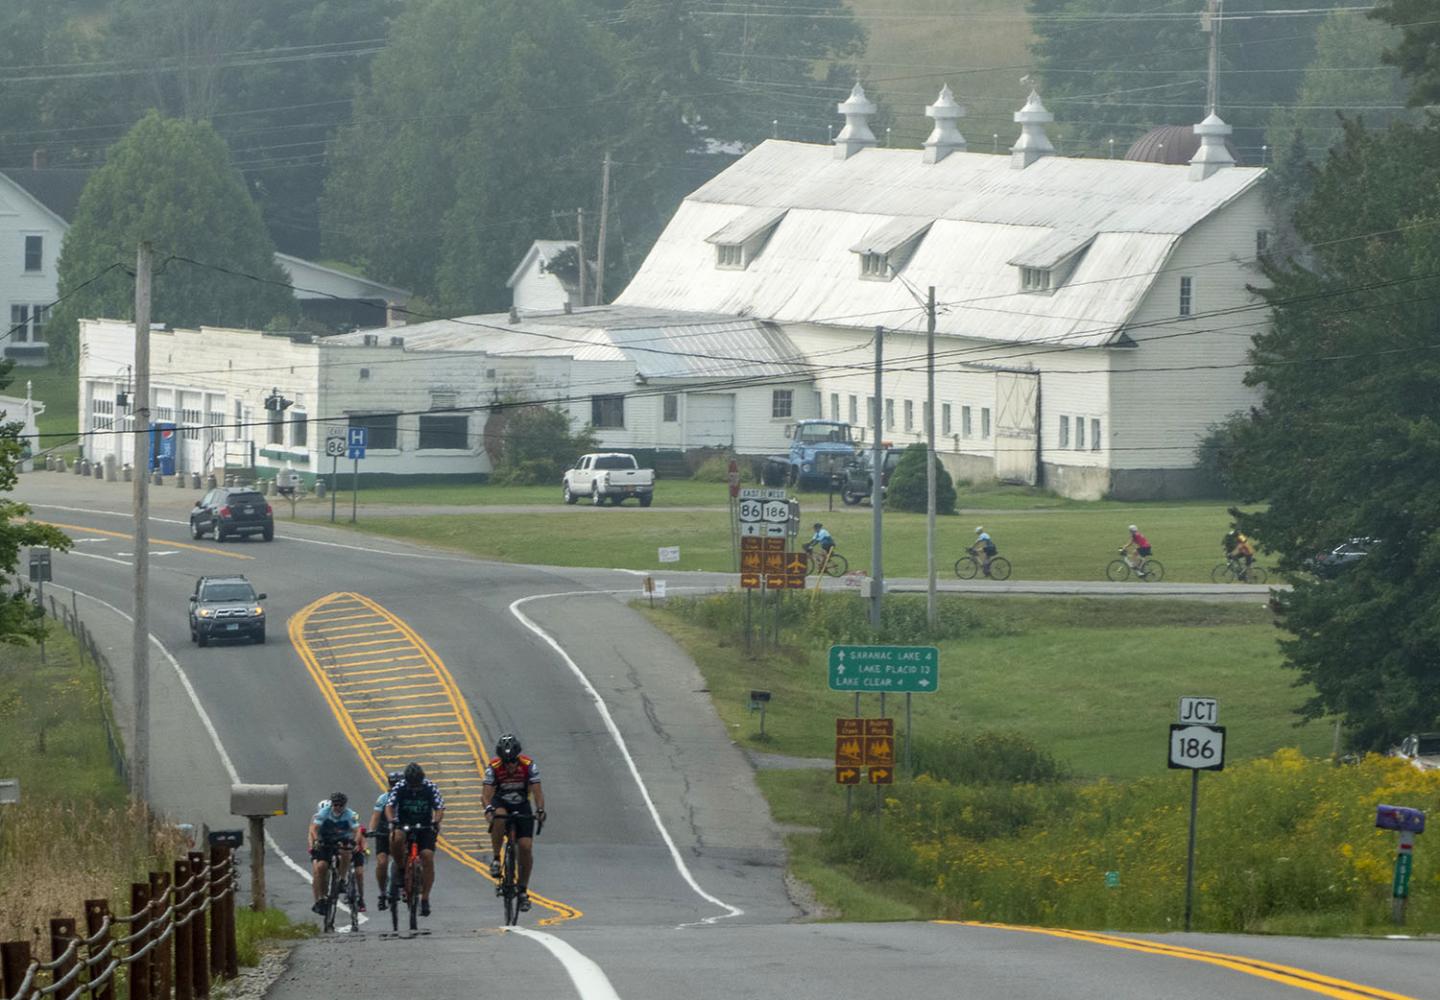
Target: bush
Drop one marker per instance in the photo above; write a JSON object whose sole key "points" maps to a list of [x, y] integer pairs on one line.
{"points": [[537, 446], [987, 758], [908, 491], [716, 469], [841, 618], [1216, 452]]}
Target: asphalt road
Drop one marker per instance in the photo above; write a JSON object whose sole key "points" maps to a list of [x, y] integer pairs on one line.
{"points": [[661, 872]]}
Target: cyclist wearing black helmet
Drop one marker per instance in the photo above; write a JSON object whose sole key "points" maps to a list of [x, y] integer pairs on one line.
{"points": [[509, 780], [332, 837], [415, 801], [381, 827]]}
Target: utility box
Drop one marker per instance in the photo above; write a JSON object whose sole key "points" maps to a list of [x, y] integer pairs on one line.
{"points": [[1401, 818], [259, 800], [287, 482]]}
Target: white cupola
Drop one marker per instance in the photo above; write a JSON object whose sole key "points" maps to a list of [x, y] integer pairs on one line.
{"points": [[856, 134], [1214, 154], [1033, 143], [945, 137]]}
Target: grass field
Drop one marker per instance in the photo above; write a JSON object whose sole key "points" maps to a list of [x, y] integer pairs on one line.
{"points": [[1094, 682], [1044, 538]]}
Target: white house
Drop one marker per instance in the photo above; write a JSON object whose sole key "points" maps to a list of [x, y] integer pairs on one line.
{"points": [[1093, 315], [341, 298], [534, 286]]}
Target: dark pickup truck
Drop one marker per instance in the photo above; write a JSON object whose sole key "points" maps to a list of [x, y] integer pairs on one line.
{"points": [[858, 482]]}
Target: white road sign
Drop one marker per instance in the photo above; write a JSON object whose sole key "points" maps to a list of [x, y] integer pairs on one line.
{"points": [[1197, 748], [1205, 711], [776, 511], [335, 447], [669, 553], [751, 510]]}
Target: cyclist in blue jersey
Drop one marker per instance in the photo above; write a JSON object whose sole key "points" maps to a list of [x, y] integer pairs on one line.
{"points": [[416, 803], [381, 827], [821, 538], [332, 839]]}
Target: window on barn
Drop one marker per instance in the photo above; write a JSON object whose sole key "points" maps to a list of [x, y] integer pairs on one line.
{"points": [[965, 425], [854, 409], [875, 266], [299, 429], [275, 430], [1187, 289], [670, 408], [1035, 279], [834, 406], [383, 429], [34, 253], [909, 414], [446, 431], [730, 256], [1064, 432], [607, 411], [1079, 433], [782, 403], [985, 423], [944, 418], [1094, 434]]}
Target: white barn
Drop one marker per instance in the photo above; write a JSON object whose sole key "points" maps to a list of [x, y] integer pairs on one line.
{"points": [[1093, 315]]}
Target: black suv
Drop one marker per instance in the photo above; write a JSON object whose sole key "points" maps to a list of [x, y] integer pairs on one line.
{"points": [[857, 483], [232, 510], [226, 607]]}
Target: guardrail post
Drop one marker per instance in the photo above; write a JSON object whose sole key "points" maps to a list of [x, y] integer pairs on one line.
{"points": [[184, 978], [160, 980], [199, 953], [140, 969], [223, 859], [14, 963], [62, 932], [96, 913]]}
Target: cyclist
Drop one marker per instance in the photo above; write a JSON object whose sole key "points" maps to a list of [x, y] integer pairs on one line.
{"points": [[822, 538], [1141, 545], [1239, 549], [415, 801], [987, 545], [381, 827], [510, 778], [357, 862], [332, 839]]}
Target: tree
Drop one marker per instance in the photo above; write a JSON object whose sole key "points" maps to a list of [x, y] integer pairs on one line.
{"points": [[908, 489], [169, 182], [537, 446], [1346, 442], [18, 621], [1415, 54]]}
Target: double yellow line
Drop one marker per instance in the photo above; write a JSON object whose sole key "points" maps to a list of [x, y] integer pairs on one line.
{"points": [[396, 701], [209, 550], [1303, 979]]}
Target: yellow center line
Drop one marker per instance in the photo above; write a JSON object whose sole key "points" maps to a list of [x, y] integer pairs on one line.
{"points": [[1303, 979], [207, 549], [458, 763]]}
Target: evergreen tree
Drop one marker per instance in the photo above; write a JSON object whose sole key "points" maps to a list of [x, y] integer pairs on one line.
{"points": [[1416, 52], [170, 183], [908, 489]]}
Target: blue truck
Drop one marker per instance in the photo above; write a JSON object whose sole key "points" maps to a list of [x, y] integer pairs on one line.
{"points": [[818, 450]]}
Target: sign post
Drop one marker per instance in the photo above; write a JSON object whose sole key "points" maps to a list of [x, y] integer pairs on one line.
{"points": [[358, 440], [1407, 822], [334, 447], [39, 573], [1197, 748]]}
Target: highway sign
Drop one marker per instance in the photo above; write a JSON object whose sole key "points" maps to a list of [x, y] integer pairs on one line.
{"points": [[1205, 711], [357, 440], [752, 493], [775, 581], [849, 727], [749, 581], [847, 776], [751, 562], [751, 510], [895, 669], [750, 544], [774, 562], [335, 446], [882, 776], [1403, 862], [849, 751], [1197, 748]]}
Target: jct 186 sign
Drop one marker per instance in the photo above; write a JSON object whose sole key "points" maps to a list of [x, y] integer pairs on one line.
{"points": [[1197, 748]]}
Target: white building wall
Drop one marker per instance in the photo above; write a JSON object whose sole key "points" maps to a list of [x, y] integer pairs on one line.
{"points": [[536, 291], [20, 217]]}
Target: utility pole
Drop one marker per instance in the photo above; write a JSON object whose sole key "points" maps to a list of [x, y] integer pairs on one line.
{"points": [[140, 752], [604, 224], [877, 495], [580, 229], [930, 599]]}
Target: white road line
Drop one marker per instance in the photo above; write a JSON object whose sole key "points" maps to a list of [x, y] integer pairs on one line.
{"points": [[209, 725], [91, 555], [589, 979], [106, 513], [609, 720]]}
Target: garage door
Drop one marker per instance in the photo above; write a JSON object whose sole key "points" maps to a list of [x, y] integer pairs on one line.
{"points": [[710, 420], [1017, 410]]}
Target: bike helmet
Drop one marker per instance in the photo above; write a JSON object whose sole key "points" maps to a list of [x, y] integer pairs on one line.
{"points": [[1133, 528], [339, 800], [817, 526], [507, 748], [394, 777], [979, 530], [414, 774]]}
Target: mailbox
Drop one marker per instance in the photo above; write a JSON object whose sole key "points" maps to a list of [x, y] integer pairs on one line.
{"points": [[1400, 818], [758, 699], [227, 838], [259, 800], [287, 482]]}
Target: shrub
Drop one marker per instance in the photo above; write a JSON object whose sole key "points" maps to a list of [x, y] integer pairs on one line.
{"points": [[537, 446], [987, 758], [1215, 455], [716, 469], [908, 491]]}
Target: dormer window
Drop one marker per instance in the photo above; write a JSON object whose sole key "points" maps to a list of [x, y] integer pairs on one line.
{"points": [[884, 251], [739, 243], [874, 265], [1035, 279], [730, 256]]}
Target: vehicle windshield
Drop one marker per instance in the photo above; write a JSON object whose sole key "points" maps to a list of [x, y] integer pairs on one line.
{"points": [[1428, 745], [245, 498], [229, 592], [823, 434], [615, 462]]}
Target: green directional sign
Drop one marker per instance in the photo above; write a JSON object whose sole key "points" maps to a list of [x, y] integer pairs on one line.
{"points": [[891, 669], [1402, 875]]}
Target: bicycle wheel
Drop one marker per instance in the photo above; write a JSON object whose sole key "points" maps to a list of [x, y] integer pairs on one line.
{"points": [[1255, 574], [332, 898], [1224, 573], [1118, 571], [511, 883], [1152, 571], [352, 888], [814, 567], [966, 567], [1000, 568], [392, 893], [837, 565], [414, 880]]}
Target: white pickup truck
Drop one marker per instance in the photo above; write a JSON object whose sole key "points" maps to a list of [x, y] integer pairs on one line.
{"points": [[609, 476]]}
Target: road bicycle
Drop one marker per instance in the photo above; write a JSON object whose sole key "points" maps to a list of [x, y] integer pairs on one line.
{"points": [[341, 882], [1235, 571], [830, 563], [970, 563], [508, 888], [1150, 570], [407, 878]]}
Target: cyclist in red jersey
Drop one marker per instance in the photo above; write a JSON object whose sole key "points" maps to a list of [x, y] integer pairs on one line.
{"points": [[510, 779]]}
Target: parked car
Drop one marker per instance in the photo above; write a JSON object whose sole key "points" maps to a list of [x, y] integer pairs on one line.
{"points": [[612, 476], [1341, 557], [226, 607], [232, 510], [858, 481], [1421, 749]]}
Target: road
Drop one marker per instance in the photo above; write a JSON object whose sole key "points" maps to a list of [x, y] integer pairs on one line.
{"points": [[660, 870]]}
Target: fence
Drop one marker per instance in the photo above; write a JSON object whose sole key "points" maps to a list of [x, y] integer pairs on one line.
{"points": [[68, 616], [163, 949]]}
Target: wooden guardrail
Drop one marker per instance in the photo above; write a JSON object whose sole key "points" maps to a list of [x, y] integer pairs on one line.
{"points": [[179, 932]]}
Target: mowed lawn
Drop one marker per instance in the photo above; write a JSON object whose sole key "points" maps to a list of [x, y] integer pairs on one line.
{"points": [[1094, 682], [1067, 541]]}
